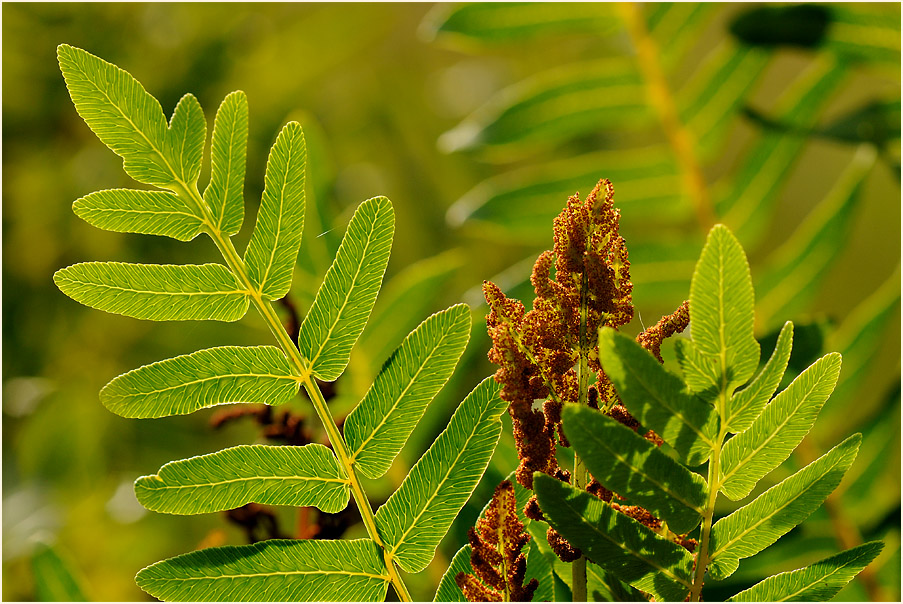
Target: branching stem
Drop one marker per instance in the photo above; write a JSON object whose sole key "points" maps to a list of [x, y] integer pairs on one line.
{"points": [[302, 366]]}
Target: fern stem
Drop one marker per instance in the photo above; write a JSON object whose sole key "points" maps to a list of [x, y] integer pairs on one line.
{"points": [[578, 567], [662, 101], [301, 365], [705, 533]]}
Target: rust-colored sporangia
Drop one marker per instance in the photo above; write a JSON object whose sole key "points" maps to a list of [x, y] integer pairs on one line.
{"points": [[581, 284], [499, 565]]}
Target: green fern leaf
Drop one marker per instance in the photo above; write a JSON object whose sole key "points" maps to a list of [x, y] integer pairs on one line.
{"points": [[656, 398], [818, 582], [747, 404], [121, 113], [630, 465], [133, 211], [752, 192], [555, 106], [289, 475], [516, 204], [772, 437], [156, 292], [711, 99], [271, 571], [185, 384], [185, 139], [55, 579], [757, 525], [796, 267], [498, 22], [417, 515], [448, 590], [345, 299], [225, 193], [378, 427], [273, 249], [721, 309], [618, 543]]}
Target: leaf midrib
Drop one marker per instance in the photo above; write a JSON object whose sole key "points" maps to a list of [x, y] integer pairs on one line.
{"points": [[214, 377], [201, 485], [153, 292]]}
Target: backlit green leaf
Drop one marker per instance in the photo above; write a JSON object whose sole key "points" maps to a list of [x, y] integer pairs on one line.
{"points": [[746, 405], [378, 427], [417, 515], [818, 582], [225, 193], [134, 211], [121, 113], [618, 543], [274, 244], [677, 26], [772, 437], [656, 398], [628, 464], [346, 297], [185, 139], [796, 268], [509, 21], [721, 309], [711, 99], [54, 578], [228, 479], [296, 570], [772, 514], [521, 203], [157, 292], [699, 371], [185, 384], [867, 31], [747, 203], [555, 106]]}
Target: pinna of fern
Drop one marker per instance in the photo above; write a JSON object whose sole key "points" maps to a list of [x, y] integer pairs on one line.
{"points": [[404, 533]]}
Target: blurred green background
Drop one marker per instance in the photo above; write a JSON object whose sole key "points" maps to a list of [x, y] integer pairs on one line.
{"points": [[477, 122]]}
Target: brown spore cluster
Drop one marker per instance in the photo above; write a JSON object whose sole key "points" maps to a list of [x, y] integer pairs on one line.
{"points": [[498, 563], [581, 285]]}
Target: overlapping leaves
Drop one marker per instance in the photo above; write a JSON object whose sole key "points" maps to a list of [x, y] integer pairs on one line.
{"points": [[693, 419]]}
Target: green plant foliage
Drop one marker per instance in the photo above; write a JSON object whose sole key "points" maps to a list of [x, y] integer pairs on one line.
{"points": [[648, 552], [279, 570], [419, 513], [407, 529], [54, 577], [345, 299], [656, 399], [817, 582], [156, 292], [627, 463], [408, 381], [185, 384], [228, 479]]}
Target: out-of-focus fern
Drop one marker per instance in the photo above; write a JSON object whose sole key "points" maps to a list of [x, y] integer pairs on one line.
{"points": [[656, 109]]}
